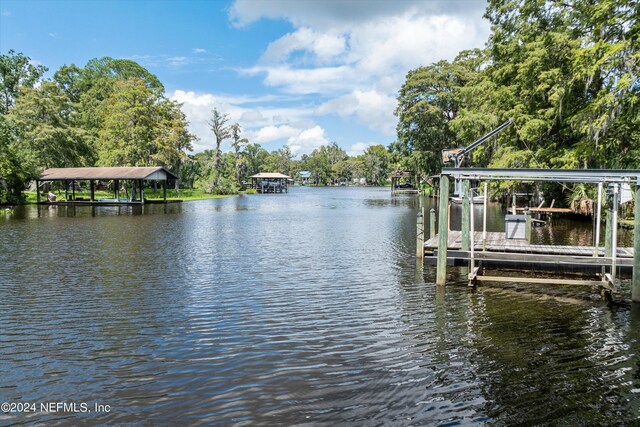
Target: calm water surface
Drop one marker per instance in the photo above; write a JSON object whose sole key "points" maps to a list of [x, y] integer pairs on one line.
{"points": [[297, 309]]}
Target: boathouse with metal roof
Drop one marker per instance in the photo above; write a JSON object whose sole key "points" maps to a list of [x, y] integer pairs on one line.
{"points": [[135, 176], [270, 182]]}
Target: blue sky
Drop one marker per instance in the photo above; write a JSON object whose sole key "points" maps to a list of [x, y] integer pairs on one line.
{"points": [[295, 72]]}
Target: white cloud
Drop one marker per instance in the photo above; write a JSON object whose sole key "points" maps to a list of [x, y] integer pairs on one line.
{"points": [[371, 108], [263, 125], [305, 80], [356, 53], [274, 133], [307, 141], [323, 47], [178, 61], [197, 57], [54, 35], [5, 12], [359, 148], [345, 13]]}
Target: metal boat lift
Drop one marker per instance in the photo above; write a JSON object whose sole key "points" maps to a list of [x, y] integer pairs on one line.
{"points": [[476, 248], [457, 155]]}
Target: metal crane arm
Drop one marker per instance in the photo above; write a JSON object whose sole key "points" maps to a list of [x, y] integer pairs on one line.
{"points": [[457, 154]]}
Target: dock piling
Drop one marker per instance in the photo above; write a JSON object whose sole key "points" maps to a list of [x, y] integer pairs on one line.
{"points": [[635, 283], [432, 223], [420, 236], [443, 232], [596, 242], [608, 229], [466, 208]]}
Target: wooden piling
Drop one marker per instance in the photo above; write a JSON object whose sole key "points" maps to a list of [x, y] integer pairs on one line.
{"points": [[466, 208], [432, 223], [164, 191], [92, 187], [635, 283], [443, 232], [527, 224], [420, 236]]}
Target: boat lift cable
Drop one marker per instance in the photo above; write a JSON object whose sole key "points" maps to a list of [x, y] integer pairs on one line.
{"points": [[457, 155]]}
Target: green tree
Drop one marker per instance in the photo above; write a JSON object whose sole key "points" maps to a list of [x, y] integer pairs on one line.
{"points": [[12, 172], [376, 164], [427, 104], [280, 161], [46, 133], [221, 131], [318, 164], [16, 72], [238, 143], [172, 139], [128, 131], [256, 157]]}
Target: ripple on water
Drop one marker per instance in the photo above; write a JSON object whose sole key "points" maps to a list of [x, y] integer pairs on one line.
{"points": [[304, 309]]}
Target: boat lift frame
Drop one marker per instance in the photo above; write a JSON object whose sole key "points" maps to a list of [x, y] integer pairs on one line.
{"points": [[613, 179]]}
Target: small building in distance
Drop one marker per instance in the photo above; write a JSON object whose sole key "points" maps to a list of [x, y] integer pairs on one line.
{"points": [[304, 177], [270, 182]]}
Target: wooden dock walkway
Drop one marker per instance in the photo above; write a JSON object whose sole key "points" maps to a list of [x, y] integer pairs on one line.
{"points": [[518, 255], [497, 242], [547, 210], [500, 252]]}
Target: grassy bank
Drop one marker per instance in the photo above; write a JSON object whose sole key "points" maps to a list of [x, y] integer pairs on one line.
{"points": [[31, 196]]}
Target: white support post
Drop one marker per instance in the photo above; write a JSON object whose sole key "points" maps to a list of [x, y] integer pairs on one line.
{"points": [[484, 220], [472, 237], [614, 232], [596, 244]]}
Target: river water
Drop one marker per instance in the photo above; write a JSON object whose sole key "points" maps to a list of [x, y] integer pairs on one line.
{"points": [[304, 308]]}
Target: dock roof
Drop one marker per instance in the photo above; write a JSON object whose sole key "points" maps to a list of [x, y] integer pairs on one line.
{"points": [[152, 173], [270, 175]]}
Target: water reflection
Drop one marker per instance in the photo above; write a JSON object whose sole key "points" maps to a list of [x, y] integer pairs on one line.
{"points": [[301, 308]]}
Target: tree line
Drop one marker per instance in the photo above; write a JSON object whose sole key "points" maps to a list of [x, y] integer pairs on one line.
{"points": [[114, 112], [566, 71]]}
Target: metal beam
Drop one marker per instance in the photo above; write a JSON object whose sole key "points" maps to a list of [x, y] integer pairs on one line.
{"points": [[558, 175], [635, 283], [466, 209]]}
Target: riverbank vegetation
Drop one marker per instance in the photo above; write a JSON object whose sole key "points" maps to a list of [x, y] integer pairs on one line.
{"points": [[567, 73]]}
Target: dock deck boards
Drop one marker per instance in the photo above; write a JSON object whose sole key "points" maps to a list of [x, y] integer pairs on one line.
{"points": [[497, 242]]}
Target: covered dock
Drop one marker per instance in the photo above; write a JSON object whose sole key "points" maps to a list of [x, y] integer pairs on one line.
{"points": [[119, 177], [270, 182], [482, 250], [404, 182]]}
